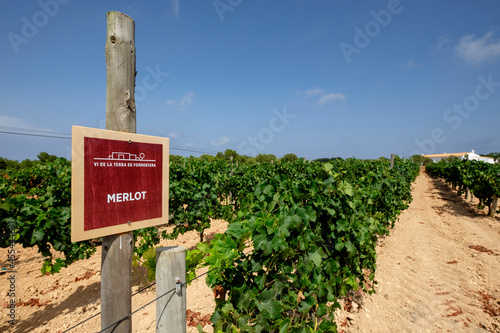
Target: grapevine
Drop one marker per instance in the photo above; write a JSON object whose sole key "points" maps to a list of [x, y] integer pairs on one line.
{"points": [[301, 235], [482, 179]]}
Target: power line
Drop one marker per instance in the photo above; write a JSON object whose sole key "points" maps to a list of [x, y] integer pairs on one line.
{"points": [[69, 138], [193, 150], [33, 130], [39, 135]]}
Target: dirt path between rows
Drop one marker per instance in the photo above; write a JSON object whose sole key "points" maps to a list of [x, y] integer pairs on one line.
{"points": [[438, 271]]}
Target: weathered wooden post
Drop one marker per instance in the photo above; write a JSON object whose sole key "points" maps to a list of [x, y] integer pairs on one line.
{"points": [[493, 207], [170, 274], [392, 161], [120, 73], [117, 250], [230, 200]]}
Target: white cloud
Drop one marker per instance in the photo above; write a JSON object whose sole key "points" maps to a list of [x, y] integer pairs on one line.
{"points": [[480, 49], [330, 97], [173, 135], [189, 145], [220, 141], [321, 96], [6, 121], [186, 100], [17, 123], [175, 6], [313, 92], [441, 42]]}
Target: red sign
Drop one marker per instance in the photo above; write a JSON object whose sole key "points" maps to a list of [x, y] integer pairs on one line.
{"points": [[123, 182], [119, 182]]}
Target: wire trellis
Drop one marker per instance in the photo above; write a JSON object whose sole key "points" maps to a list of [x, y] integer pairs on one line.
{"points": [[115, 324]]}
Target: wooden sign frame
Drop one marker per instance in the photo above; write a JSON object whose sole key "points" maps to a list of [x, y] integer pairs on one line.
{"points": [[79, 136]]}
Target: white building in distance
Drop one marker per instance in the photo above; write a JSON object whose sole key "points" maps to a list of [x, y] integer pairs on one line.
{"points": [[471, 156]]}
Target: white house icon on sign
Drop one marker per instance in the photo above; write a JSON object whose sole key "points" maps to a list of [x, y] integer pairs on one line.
{"points": [[126, 156], [121, 156]]}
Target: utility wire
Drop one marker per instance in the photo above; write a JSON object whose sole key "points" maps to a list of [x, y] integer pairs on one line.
{"points": [[68, 137], [162, 311], [8, 128], [193, 150], [39, 135], [141, 290], [137, 292], [130, 314], [82, 322]]}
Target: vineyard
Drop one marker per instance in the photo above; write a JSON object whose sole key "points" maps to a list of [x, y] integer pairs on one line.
{"points": [[472, 178], [300, 236]]}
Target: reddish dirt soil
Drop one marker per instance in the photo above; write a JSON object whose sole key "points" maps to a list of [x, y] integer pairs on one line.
{"points": [[438, 271], [54, 303]]}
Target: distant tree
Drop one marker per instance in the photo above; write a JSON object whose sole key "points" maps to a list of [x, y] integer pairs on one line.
{"points": [[324, 159], [417, 159], [46, 157], [43, 157], [451, 158], [289, 157], [206, 157], [5, 163], [496, 156], [249, 160], [243, 159], [265, 158], [422, 160], [231, 155], [175, 158], [27, 163]]}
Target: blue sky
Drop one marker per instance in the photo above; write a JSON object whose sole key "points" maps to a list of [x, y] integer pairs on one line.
{"points": [[315, 78]]}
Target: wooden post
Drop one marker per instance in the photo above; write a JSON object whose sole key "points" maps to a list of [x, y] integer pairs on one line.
{"points": [[116, 282], [120, 73], [392, 161], [171, 308], [230, 175], [117, 250], [493, 207]]}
